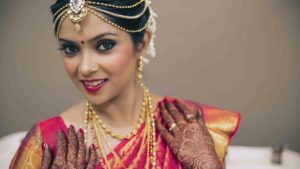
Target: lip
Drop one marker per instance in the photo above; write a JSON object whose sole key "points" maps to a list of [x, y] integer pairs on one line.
{"points": [[91, 80], [93, 89]]}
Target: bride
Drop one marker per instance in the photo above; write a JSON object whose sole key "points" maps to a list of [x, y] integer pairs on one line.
{"points": [[120, 123]]}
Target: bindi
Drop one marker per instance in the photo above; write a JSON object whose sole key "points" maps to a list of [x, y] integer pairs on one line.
{"points": [[82, 42]]}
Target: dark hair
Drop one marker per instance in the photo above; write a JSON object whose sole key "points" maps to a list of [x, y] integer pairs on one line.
{"points": [[131, 24]]}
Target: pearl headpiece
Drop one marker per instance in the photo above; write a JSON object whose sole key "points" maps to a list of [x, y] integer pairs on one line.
{"points": [[78, 9]]}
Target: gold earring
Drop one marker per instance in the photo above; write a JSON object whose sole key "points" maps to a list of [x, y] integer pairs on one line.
{"points": [[140, 68]]}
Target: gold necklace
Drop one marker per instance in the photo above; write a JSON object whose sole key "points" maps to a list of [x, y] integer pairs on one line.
{"points": [[109, 144], [100, 147], [133, 132], [96, 126], [149, 131]]}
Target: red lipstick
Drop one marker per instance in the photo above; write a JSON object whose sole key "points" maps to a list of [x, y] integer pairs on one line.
{"points": [[94, 85]]}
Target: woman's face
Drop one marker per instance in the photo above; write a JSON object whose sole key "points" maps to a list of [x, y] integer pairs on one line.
{"points": [[99, 51]]}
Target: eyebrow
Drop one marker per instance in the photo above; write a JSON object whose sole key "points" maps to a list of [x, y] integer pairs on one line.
{"points": [[92, 39]]}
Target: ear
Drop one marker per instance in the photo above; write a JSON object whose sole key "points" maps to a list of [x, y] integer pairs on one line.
{"points": [[143, 46]]}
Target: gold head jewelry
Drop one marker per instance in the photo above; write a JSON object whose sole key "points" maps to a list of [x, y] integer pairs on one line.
{"points": [[76, 11]]}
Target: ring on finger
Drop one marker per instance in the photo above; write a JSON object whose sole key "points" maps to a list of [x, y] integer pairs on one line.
{"points": [[172, 126], [189, 116]]}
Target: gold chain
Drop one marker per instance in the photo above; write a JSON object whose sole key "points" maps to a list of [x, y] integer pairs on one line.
{"points": [[149, 131], [60, 9], [100, 148], [119, 15], [133, 132], [115, 25], [115, 6], [59, 16], [108, 143]]}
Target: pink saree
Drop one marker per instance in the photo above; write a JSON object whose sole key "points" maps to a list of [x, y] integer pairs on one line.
{"points": [[222, 125]]}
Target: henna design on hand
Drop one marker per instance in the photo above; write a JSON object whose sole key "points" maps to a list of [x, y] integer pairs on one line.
{"points": [[61, 151], [191, 141], [81, 163], [72, 149], [47, 157], [70, 152]]}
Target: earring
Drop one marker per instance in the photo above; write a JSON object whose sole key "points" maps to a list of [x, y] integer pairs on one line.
{"points": [[140, 68]]}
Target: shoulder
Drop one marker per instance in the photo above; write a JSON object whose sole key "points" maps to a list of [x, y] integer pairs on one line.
{"points": [[29, 152], [49, 127]]}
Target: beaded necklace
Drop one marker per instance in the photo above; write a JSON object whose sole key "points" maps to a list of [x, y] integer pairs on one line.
{"points": [[97, 126]]}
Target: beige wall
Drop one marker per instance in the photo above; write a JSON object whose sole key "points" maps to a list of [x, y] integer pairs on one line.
{"points": [[238, 55]]}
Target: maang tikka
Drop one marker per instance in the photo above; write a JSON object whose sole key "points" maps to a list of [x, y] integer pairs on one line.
{"points": [[77, 12]]}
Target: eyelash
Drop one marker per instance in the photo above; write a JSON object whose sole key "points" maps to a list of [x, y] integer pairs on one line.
{"points": [[105, 42], [63, 48]]}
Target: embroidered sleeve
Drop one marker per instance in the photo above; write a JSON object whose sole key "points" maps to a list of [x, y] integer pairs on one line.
{"points": [[29, 153], [222, 125]]}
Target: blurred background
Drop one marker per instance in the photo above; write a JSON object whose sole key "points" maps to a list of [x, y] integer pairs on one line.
{"points": [[237, 55]]}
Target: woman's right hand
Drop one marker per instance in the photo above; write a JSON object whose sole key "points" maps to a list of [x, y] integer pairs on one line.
{"points": [[70, 152]]}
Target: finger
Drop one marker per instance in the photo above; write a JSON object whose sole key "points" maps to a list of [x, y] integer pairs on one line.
{"points": [[168, 119], [61, 150], [166, 135], [47, 158], [81, 150], [72, 148], [199, 114], [88, 156], [93, 158], [178, 117], [189, 113]]}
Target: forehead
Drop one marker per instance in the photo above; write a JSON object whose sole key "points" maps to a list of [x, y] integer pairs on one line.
{"points": [[91, 26]]}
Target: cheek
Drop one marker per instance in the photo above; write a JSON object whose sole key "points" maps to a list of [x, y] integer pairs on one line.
{"points": [[123, 61], [70, 66]]}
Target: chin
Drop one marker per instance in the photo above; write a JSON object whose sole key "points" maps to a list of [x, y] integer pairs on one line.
{"points": [[96, 98]]}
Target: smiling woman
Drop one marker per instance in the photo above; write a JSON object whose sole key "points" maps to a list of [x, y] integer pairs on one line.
{"points": [[103, 44]]}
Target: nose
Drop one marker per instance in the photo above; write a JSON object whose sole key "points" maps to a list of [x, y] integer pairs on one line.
{"points": [[87, 66]]}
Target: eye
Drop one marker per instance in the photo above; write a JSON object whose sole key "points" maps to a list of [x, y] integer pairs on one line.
{"points": [[69, 49], [105, 45]]}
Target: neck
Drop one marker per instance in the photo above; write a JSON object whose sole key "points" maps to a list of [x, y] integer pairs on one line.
{"points": [[123, 110]]}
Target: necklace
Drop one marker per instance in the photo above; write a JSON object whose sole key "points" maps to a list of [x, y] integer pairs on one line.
{"points": [[133, 132], [92, 119]]}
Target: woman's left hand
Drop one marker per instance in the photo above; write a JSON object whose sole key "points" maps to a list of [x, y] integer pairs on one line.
{"points": [[187, 136]]}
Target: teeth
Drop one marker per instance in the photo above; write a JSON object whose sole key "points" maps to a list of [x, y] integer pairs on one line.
{"points": [[95, 83]]}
